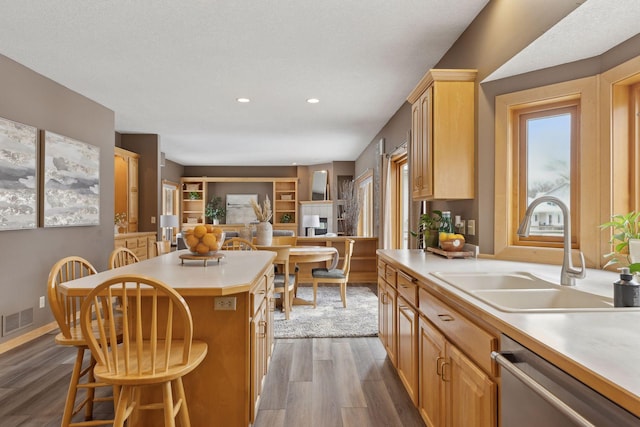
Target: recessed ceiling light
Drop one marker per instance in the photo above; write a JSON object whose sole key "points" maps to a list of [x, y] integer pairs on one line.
{"points": [[313, 100], [243, 100]]}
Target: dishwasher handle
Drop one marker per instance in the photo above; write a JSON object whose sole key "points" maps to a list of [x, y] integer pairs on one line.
{"points": [[539, 389]]}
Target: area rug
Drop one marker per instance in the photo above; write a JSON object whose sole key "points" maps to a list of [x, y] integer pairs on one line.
{"points": [[330, 319]]}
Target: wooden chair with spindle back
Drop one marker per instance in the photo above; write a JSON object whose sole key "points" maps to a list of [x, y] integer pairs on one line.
{"points": [[163, 247], [238, 244], [149, 353], [122, 256], [284, 282], [340, 276], [65, 310]]}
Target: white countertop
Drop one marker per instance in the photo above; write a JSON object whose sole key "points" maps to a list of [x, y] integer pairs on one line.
{"points": [[600, 348], [236, 272]]}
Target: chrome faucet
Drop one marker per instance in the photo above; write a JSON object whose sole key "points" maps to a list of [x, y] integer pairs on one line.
{"points": [[569, 273]]}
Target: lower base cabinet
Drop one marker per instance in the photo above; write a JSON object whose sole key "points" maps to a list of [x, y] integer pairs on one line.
{"points": [[261, 337], [387, 318], [453, 390], [407, 348]]}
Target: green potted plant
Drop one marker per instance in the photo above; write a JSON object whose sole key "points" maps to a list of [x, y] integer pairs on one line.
{"points": [[215, 209], [428, 229], [286, 218], [625, 229], [194, 195]]}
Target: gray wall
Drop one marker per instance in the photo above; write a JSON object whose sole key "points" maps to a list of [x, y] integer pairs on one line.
{"points": [[26, 256]]}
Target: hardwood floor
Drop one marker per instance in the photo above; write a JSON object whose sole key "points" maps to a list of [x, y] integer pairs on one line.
{"points": [[311, 382]]}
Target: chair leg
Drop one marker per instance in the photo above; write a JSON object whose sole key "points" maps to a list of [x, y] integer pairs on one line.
{"points": [[285, 299], [124, 400], [167, 397], [185, 421], [343, 294], [91, 391], [73, 388], [315, 292]]}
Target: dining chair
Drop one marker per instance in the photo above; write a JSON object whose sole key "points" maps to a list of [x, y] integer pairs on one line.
{"points": [[157, 346], [340, 276], [122, 256], [284, 282], [65, 310], [163, 247], [238, 244]]}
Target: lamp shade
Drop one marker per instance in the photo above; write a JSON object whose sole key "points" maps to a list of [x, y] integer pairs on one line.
{"points": [[312, 221], [168, 221]]}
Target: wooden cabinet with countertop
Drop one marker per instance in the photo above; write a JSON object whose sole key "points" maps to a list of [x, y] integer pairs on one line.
{"points": [[458, 331], [225, 388], [141, 243]]}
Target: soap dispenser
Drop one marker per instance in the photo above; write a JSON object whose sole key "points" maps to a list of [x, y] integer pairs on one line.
{"points": [[626, 291]]}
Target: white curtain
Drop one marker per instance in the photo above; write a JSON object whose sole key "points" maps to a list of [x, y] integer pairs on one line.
{"points": [[386, 205]]}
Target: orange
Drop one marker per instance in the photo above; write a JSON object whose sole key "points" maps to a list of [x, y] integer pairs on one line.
{"points": [[199, 231], [202, 249], [209, 228], [211, 241], [191, 241]]}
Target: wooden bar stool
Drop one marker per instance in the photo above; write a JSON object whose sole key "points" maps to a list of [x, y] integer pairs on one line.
{"points": [[65, 310], [148, 354]]}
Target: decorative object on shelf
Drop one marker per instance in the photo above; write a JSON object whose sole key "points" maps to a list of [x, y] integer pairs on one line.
{"points": [[264, 230], [310, 223], [286, 197], [215, 209], [351, 207], [19, 145], [120, 221], [71, 182], [168, 222], [624, 239], [194, 195], [286, 218], [192, 187]]}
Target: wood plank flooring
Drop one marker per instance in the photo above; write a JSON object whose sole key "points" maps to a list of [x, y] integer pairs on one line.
{"points": [[311, 382]]}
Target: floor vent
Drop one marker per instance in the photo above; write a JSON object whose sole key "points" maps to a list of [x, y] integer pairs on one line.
{"points": [[16, 321]]}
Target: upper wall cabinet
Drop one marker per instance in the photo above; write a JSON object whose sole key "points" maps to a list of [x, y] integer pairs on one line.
{"points": [[126, 186], [443, 135]]}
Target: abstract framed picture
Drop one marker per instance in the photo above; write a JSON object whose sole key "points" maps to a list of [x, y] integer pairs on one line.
{"points": [[18, 176], [71, 182]]}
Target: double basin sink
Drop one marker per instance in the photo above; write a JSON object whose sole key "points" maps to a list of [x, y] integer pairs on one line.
{"points": [[525, 292]]}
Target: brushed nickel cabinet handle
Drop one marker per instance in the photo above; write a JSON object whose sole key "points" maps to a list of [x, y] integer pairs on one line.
{"points": [[445, 317]]}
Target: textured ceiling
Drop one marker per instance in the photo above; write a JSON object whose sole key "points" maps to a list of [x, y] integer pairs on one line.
{"points": [[175, 68]]}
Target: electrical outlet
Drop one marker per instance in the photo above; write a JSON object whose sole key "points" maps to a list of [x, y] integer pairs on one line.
{"points": [[224, 303], [153, 220], [42, 301], [471, 227]]}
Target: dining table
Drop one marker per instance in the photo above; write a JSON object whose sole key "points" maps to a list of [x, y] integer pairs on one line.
{"points": [[299, 255]]}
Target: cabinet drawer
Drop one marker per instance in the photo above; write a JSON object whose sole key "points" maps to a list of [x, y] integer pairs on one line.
{"points": [[131, 243], [469, 337], [258, 295], [408, 288], [142, 242], [390, 275], [381, 268]]}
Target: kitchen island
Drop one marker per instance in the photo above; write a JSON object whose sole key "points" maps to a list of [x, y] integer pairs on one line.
{"points": [[225, 389], [601, 348]]}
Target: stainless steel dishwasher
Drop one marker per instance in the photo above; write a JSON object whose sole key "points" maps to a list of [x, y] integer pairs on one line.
{"points": [[536, 393]]}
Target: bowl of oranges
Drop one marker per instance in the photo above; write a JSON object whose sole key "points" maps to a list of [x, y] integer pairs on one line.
{"points": [[204, 239], [451, 242]]}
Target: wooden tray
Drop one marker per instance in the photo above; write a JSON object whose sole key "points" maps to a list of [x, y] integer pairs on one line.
{"points": [[204, 258], [451, 254]]}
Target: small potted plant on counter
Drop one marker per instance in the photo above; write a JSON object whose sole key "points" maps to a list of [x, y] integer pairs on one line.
{"points": [[625, 240], [215, 210], [428, 229]]}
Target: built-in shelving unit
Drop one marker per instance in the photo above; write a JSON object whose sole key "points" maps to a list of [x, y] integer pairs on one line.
{"points": [[283, 193]]}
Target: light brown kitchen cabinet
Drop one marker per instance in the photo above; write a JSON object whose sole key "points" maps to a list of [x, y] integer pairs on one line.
{"points": [[432, 390], [387, 309], [261, 337], [126, 186], [408, 348], [443, 135]]}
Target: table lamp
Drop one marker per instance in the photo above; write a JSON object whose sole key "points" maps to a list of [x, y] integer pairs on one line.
{"points": [[168, 222], [310, 223]]}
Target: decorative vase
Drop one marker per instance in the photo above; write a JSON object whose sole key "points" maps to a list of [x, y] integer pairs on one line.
{"points": [[264, 233], [116, 229], [634, 250], [216, 221]]}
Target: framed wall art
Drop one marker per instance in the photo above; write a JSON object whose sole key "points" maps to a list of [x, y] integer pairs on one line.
{"points": [[71, 182], [18, 176]]}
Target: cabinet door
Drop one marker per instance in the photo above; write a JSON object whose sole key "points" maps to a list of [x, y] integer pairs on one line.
{"points": [[416, 151], [258, 333], [432, 390], [132, 202], [382, 321], [407, 348], [390, 325], [472, 400], [426, 120]]}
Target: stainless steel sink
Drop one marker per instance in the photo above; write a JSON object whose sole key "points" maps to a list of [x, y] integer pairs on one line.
{"points": [[525, 292]]}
